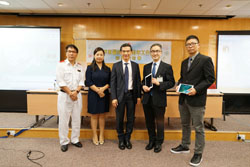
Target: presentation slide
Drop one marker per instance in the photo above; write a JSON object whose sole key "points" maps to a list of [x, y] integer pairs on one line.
{"points": [[233, 64], [28, 57]]}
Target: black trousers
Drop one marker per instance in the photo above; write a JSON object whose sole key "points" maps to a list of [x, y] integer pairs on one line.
{"points": [[154, 113], [129, 104]]}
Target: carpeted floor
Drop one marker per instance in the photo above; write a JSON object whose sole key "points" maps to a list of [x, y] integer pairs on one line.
{"points": [[13, 153]]}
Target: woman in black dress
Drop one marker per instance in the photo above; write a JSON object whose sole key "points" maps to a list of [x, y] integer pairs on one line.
{"points": [[98, 79]]}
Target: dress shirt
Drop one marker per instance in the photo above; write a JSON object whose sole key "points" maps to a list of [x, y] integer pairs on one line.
{"points": [[156, 66], [69, 75], [130, 78]]}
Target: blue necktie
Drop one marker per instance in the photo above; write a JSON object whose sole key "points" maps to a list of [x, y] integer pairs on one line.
{"points": [[189, 63], [153, 70], [126, 77]]}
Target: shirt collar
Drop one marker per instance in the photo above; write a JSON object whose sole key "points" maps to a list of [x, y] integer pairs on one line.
{"points": [[193, 57], [68, 63], [129, 62], [158, 62]]}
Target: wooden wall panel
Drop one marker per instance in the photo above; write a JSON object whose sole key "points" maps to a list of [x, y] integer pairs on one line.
{"points": [[174, 30]]}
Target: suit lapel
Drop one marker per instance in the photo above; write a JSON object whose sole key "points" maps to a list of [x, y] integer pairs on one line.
{"points": [[149, 69], [133, 69], [120, 68], [159, 69], [195, 62]]}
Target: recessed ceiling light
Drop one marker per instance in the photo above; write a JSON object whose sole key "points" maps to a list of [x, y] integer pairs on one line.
{"points": [[144, 5], [138, 27], [4, 3], [60, 4], [195, 27]]}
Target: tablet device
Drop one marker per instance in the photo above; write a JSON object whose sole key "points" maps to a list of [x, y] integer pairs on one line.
{"points": [[183, 88], [148, 80]]}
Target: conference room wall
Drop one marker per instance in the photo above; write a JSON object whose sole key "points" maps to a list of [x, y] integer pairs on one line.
{"points": [[78, 29]]}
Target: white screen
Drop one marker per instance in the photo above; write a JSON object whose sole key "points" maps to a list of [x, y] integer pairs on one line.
{"points": [[28, 57], [233, 74]]}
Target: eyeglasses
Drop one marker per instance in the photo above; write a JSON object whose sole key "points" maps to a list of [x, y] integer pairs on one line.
{"points": [[155, 51], [126, 51], [190, 44], [71, 51]]}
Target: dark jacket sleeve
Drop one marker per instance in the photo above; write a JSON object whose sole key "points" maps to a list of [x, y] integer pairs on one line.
{"points": [[138, 82], [169, 81], [209, 79], [113, 82]]}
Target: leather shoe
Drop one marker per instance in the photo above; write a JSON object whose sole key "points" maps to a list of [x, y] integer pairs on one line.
{"points": [[121, 145], [78, 144], [64, 148], [128, 144], [150, 146], [157, 148]]}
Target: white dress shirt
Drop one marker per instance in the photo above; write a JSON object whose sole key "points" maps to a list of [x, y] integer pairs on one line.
{"points": [[156, 66], [130, 78], [69, 75]]}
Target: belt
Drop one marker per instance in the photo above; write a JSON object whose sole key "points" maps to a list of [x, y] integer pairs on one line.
{"points": [[130, 91], [65, 92]]}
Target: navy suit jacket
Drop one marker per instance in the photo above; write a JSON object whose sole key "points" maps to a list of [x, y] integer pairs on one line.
{"points": [[159, 92], [117, 83], [201, 75]]}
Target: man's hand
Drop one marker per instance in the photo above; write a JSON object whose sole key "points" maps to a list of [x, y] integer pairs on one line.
{"points": [[73, 95], [145, 88], [176, 89], [192, 92], [114, 103], [154, 81]]}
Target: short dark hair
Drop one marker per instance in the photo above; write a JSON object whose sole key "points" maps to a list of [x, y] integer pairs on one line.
{"points": [[72, 46], [192, 37], [156, 44], [99, 49], [126, 45]]}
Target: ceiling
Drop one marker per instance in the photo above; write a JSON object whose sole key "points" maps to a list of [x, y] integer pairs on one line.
{"points": [[155, 8]]}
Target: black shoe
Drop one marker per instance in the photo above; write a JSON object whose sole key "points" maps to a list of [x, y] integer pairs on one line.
{"points": [[150, 145], [180, 149], [157, 148], [121, 145], [196, 160], [64, 148], [128, 144], [78, 144]]}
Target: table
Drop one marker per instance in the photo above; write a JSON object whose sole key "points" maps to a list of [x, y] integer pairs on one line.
{"points": [[44, 102]]}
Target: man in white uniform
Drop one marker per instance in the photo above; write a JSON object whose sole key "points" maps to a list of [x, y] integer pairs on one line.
{"points": [[70, 78]]}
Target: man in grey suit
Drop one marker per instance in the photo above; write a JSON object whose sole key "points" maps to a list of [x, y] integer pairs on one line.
{"points": [[125, 92], [197, 70], [155, 99]]}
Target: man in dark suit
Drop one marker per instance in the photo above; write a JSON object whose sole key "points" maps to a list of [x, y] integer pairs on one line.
{"points": [[197, 70], [154, 99], [125, 92]]}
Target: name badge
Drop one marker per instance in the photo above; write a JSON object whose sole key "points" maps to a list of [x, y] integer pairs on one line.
{"points": [[160, 79]]}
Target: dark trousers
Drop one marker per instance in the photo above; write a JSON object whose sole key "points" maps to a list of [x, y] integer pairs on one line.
{"points": [[153, 113], [120, 110]]}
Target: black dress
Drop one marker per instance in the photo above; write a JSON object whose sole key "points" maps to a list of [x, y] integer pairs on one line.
{"points": [[99, 78]]}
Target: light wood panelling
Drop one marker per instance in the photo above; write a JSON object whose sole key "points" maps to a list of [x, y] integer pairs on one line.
{"points": [[42, 103], [124, 28]]}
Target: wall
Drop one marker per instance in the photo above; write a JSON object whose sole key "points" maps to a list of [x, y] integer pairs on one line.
{"points": [[78, 29]]}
